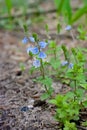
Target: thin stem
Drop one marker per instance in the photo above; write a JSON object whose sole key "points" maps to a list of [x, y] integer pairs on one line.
{"points": [[43, 74], [72, 35], [75, 89], [42, 69], [55, 54]]}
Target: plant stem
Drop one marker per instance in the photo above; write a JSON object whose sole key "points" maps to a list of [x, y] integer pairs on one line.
{"points": [[42, 73], [55, 54], [75, 89], [72, 35], [42, 69]]}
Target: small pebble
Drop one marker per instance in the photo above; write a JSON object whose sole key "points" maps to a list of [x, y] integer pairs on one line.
{"points": [[24, 109], [30, 106]]}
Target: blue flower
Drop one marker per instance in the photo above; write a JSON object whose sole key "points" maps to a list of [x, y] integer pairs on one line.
{"points": [[36, 63], [25, 40], [42, 55], [31, 39], [35, 50], [42, 44], [70, 66], [67, 28], [64, 63], [29, 49]]}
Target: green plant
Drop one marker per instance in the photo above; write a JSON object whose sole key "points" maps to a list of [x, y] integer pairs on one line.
{"points": [[84, 123], [64, 7], [37, 53], [68, 106], [82, 33], [71, 71], [9, 6], [70, 126], [67, 110]]}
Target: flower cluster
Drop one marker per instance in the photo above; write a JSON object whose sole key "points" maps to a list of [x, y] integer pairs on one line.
{"points": [[70, 65], [26, 40], [36, 50]]}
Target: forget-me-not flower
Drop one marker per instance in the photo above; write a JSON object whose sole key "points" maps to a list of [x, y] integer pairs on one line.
{"points": [[67, 28], [32, 39], [29, 49], [42, 55], [64, 63], [42, 44], [70, 66], [36, 63], [25, 40], [35, 50]]}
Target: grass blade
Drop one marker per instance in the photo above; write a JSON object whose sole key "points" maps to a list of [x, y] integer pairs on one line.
{"points": [[79, 14]]}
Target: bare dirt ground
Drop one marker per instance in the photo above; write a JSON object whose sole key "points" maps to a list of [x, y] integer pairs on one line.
{"points": [[17, 89]]}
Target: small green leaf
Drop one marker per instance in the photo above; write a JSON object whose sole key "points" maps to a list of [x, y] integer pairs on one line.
{"points": [[22, 66], [25, 28], [45, 96], [85, 104], [53, 101], [66, 52], [35, 36], [32, 69], [84, 123], [55, 63], [47, 81], [52, 44], [84, 85], [58, 28], [47, 28]]}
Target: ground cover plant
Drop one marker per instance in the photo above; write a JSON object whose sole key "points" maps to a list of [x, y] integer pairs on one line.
{"points": [[71, 71], [65, 8]]}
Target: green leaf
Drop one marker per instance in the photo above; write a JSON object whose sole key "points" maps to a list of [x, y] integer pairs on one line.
{"points": [[22, 66], [66, 81], [35, 36], [58, 27], [64, 7], [53, 101], [52, 44], [47, 81], [45, 96], [84, 85], [84, 123], [67, 10], [59, 5], [9, 6], [32, 69], [85, 104], [69, 126], [47, 28], [78, 14], [85, 2], [66, 52], [55, 63], [25, 28]]}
